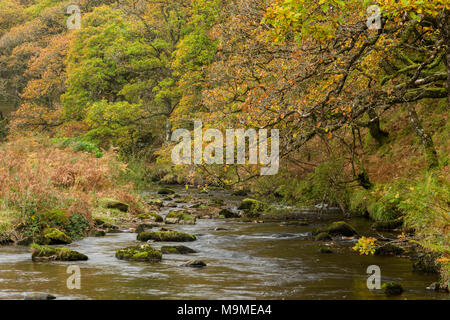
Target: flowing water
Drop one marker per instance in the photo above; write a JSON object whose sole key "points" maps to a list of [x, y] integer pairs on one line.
{"points": [[245, 261]]}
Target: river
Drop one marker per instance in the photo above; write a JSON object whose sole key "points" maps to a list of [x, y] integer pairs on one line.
{"points": [[245, 261]]}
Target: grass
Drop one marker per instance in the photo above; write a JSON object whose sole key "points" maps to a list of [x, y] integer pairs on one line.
{"points": [[44, 185]]}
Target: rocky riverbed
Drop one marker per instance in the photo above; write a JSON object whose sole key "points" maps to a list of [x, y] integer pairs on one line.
{"points": [[230, 258]]}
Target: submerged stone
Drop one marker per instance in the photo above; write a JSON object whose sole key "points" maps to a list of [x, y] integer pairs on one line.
{"points": [[194, 264], [323, 236], [392, 288], [325, 250], [142, 252], [39, 296], [177, 249]]}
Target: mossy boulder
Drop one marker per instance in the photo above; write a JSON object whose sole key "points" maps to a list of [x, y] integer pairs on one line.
{"points": [[392, 288], [46, 253], [165, 191], [228, 214], [54, 236], [175, 217], [142, 252], [388, 249], [109, 203], [169, 236], [251, 207], [323, 236], [340, 228], [387, 225], [143, 227], [426, 262], [150, 216], [177, 250]]}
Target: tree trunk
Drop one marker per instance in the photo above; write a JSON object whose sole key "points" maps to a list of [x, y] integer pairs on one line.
{"points": [[374, 127], [444, 26], [427, 141]]}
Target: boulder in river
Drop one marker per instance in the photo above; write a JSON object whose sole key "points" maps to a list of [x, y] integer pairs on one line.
{"points": [[392, 288], [194, 264], [251, 207], [388, 249], [46, 253], [323, 236], [109, 203], [54, 236], [169, 236], [39, 296], [226, 213], [175, 217], [177, 249], [143, 252], [340, 228], [165, 191]]}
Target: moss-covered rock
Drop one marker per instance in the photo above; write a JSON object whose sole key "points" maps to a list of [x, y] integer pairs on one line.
{"points": [[340, 228], [323, 236], [54, 236], [177, 250], [389, 249], [228, 214], [109, 203], [387, 225], [46, 253], [165, 191], [392, 288], [150, 216], [426, 262], [142, 252], [169, 236], [251, 207], [175, 217]]}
